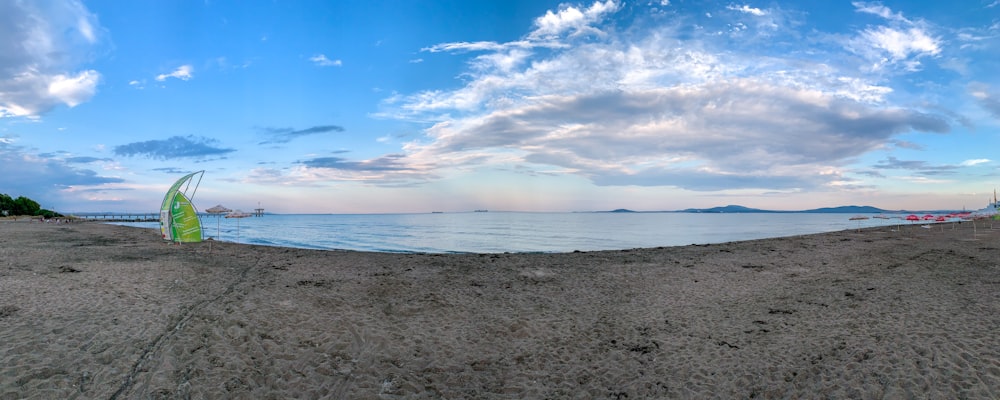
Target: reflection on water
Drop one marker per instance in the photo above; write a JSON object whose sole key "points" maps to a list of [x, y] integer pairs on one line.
{"points": [[496, 232]]}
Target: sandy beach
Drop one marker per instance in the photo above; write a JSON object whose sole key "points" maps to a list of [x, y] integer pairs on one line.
{"points": [[93, 311]]}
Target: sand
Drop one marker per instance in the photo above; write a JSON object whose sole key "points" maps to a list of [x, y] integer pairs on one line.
{"points": [[93, 311]]}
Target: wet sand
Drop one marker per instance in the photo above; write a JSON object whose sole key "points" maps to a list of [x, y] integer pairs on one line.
{"points": [[98, 311]]}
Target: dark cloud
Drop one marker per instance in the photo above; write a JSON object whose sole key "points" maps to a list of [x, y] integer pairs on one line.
{"points": [[903, 144], [747, 133], [870, 173], [174, 147], [53, 154], [989, 100], [386, 163], [84, 160], [171, 170], [64, 156], [922, 167], [285, 135], [41, 178]]}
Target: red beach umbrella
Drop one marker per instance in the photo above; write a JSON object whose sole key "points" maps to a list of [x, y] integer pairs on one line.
{"points": [[928, 217], [912, 217]]}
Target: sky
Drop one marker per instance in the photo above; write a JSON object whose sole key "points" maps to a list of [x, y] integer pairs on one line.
{"points": [[417, 106]]}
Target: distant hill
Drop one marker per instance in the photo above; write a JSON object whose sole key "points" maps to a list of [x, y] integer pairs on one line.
{"points": [[726, 209], [847, 210], [825, 210]]}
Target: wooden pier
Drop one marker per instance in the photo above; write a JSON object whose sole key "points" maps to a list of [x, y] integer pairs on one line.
{"points": [[118, 217]]}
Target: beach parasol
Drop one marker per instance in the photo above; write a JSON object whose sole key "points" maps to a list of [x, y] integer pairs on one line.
{"points": [[858, 218], [218, 210], [912, 217], [237, 214]]}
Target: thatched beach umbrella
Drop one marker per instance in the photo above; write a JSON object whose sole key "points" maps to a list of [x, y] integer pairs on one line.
{"points": [[858, 218], [237, 214], [218, 210]]}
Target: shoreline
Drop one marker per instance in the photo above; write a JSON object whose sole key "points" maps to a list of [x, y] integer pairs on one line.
{"points": [[99, 310], [393, 237]]}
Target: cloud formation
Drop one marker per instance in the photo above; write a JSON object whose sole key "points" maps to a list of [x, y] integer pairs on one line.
{"points": [[987, 97], [573, 21], [285, 135], [382, 164], [41, 44], [663, 108], [43, 177], [568, 22], [901, 43], [172, 148], [183, 72], [321, 60], [747, 9], [922, 167], [653, 137]]}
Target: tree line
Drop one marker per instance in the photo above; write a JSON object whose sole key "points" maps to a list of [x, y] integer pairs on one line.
{"points": [[23, 206]]}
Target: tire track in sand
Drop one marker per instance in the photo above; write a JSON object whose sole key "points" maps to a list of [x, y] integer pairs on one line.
{"points": [[160, 339]]}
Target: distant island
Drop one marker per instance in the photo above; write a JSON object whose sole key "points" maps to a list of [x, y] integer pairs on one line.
{"points": [[824, 210], [734, 209]]}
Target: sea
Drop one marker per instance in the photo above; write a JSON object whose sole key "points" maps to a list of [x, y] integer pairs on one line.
{"points": [[515, 232]]}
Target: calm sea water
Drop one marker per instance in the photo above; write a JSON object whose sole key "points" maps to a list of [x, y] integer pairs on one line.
{"points": [[497, 232]]}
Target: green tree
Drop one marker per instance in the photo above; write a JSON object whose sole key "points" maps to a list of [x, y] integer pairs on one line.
{"points": [[25, 206], [6, 204], [48, 214]]}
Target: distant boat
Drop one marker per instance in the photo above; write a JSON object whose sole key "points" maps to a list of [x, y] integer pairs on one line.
{"points": [[437, 212], [482, 210]]}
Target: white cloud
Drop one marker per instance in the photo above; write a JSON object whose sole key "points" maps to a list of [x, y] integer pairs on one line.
{"points": [[969, 163], [42, 43], [551, 30], [861, 90], [879, 10], [717, 131], [901, 44], [184, 72], [747, 9], [572, 20], [467, 46], [648, 108], [73, 90], [322, 61]]}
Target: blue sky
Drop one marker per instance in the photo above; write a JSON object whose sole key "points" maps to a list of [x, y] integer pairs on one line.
{"points": [[371, 106]]}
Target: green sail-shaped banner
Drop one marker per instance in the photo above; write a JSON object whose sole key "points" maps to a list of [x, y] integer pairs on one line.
{"points": [[179, 220]]}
